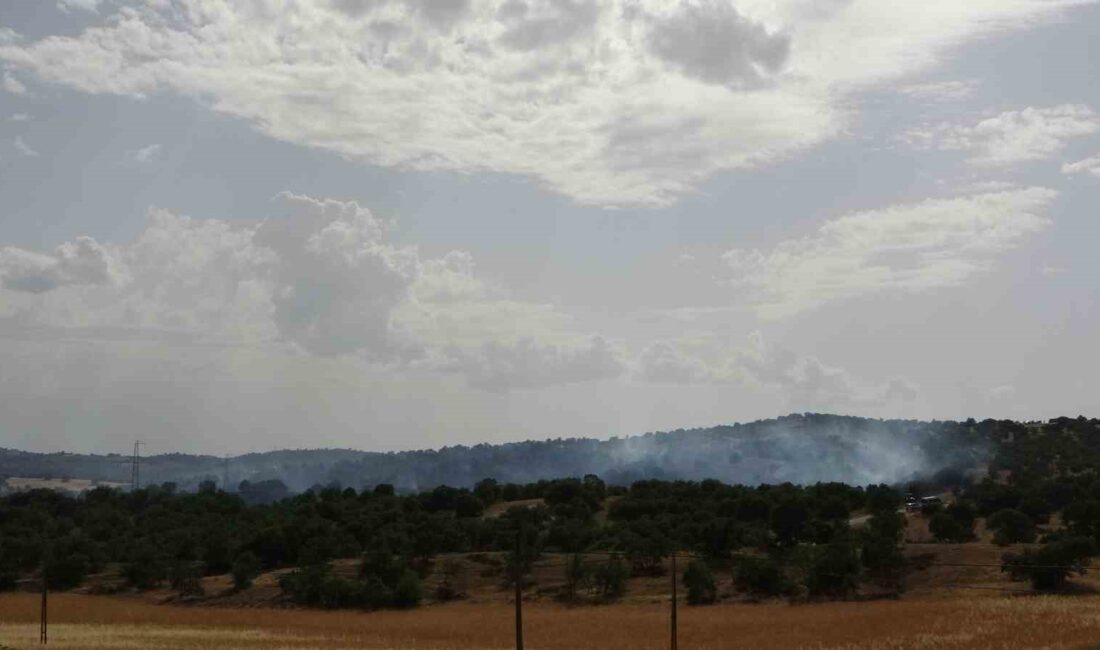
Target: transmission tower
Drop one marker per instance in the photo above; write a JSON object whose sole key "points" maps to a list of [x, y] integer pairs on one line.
{"points": [[135, 467]]}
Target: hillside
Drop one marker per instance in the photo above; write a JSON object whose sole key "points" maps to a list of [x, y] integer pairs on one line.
{"points": [[796, 448]]}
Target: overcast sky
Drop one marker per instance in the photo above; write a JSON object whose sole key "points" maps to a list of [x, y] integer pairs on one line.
{"points": [[387, 224]]}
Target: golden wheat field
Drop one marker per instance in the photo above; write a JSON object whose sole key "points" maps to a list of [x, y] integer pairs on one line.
{"points": [[100, 623]]}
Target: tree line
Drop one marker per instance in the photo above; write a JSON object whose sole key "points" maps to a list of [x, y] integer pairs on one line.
{"points": [[775, 540]]}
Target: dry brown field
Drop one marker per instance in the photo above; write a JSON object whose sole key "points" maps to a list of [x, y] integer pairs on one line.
{"points": [[82, 622], [73, 485]]}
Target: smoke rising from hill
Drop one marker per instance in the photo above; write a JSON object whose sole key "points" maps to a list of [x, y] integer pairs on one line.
{"points": [[801, 449]]}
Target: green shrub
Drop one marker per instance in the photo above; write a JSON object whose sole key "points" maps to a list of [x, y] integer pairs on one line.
{"points": [[954, 523], [406, 593], [699, 580], [1011, 527], [610, 578], [1049, 567], [184, 577], [760, 576], [246, 567], [834, 571]]}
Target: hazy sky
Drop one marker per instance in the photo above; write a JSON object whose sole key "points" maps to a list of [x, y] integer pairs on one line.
{"points": [[387, 224]]}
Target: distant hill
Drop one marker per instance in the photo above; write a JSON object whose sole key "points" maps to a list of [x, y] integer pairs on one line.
{"points": [[797, 448]]}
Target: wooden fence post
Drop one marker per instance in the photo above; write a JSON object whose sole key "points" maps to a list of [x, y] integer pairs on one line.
{"points": [[672, 642], [519, 588], [43, 636]]}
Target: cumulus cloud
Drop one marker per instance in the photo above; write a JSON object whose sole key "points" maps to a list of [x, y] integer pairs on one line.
{"points": [[24, 148], [80, 262], [1011, 137], [805, 380], [909, 248], [317, 276], [82, 5], [709, 40], [336, 281], [610, 102], [1086, 166], [145, 154], [537, 24], [13, 85], [526, 363]]}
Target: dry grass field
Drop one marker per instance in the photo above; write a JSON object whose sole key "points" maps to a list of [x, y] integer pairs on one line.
{"points": [[99, 623], [72, 486]]}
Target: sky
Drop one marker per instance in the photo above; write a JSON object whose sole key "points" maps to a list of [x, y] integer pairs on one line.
{"points": [[231, 226]]}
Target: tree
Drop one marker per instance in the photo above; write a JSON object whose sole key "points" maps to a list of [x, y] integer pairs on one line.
{"points": [[487, 490], [185, 578], [1011, 527], [66, 571], [833, 507], [760, 576], [578, 574], [699, 580], [610, 577], [246, 567], [881, 552], [1083, 518], [788, 520], [406, 592], [953, 524], [146, 568], [1049, 567], [834, 570]]}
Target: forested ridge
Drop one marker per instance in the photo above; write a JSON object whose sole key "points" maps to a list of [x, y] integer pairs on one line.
{"points": [[800, 448], [778, 539]]}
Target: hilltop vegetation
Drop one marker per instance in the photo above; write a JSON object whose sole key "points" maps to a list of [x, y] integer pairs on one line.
{"points": [[801, 449]]}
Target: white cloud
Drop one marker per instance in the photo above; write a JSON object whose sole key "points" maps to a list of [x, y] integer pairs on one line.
{"points": [[13, 85], [527, 363], [82, 5], [316, 276], [19, 117], [24, 148], [712, 42], [804, 380], [611, 102], [145, 154], [1086, 166], [336, 280], [81, 262], [1011, 137], [941, 91], [906, 248]]}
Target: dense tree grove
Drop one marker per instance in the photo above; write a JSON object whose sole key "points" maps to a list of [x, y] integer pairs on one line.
{"points": [[770, 539], [158, 535]]}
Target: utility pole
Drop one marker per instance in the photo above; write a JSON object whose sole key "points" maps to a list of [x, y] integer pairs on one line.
{"points": [[135, 463], [225, 477], [519, 588], [43, 636], [672, 642]]}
